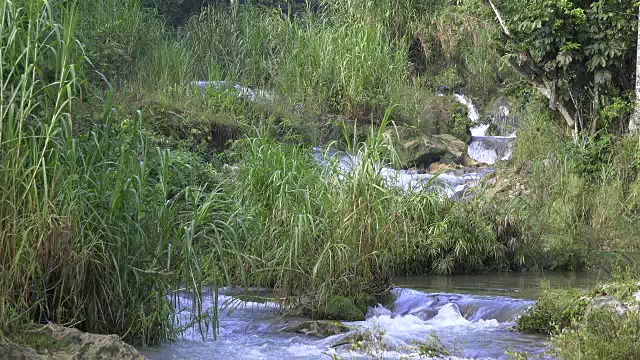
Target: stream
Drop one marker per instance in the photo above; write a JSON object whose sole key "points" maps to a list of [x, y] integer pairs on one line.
{"points": [[470, 315]]}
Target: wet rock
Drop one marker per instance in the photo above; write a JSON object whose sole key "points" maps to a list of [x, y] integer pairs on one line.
{"points": [[350, 339], [469, 162], [318, 328], [438, 167], [343, 308], [610, 303], [416, 149], [59, 342]]}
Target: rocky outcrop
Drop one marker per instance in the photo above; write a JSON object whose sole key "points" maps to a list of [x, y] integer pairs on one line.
{"points": [[506, 184], [58, 342], [420, 150], [318, 328]]}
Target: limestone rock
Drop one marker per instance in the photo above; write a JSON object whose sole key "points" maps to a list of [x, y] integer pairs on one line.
{"points": [[67, 343], [608, 303], [318, 328], [416, 149]]}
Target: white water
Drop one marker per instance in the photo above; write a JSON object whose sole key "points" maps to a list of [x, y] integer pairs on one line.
{"points": [[408, 180], [241, 91], [483, 148], [474, 327]]}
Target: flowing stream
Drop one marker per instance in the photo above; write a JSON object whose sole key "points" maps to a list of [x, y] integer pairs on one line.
{"points": [[470, 315]]}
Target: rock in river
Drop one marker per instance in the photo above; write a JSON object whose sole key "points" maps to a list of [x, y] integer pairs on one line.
{"points": [[319, 328]]}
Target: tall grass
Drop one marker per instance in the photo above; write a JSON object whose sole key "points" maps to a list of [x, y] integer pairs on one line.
{"points": [[317, 231], [581, 206], [91, 234]]}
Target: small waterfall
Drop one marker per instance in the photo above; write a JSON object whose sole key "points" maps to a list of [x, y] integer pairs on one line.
{"points": [[428, 306], [242, 91], [408, 180], [483, 148]]}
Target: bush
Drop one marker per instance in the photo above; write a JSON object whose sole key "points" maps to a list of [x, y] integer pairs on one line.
{"points": [[342, 308], [554, 311]]}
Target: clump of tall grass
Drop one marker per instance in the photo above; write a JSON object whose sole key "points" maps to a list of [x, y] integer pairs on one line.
{"points": [[349, 68], [91, 234], [316, 231]]}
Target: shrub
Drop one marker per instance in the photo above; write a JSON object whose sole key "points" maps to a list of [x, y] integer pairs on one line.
{"points": [[554, 311]]}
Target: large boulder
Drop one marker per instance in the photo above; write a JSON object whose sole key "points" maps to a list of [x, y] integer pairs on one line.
{"points": [[59, 342], [419, 150]]}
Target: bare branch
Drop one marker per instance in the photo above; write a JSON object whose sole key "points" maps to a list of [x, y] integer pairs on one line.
{"points": [[500, 20]]}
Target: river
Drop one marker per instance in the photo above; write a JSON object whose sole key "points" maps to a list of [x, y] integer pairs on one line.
{"points": [[471, 315]]}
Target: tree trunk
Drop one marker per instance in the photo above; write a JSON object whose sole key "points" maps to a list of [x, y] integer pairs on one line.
{"points": [[531, 72], [634, 123]]}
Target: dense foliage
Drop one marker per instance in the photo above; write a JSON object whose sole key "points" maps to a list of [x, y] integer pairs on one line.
{"points": [[579, 54]]}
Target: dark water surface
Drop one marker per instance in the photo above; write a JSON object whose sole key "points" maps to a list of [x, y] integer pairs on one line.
{"points": [[517, 285]]}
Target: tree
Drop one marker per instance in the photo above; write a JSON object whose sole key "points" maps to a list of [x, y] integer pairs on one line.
{"points": [[577, 53]]}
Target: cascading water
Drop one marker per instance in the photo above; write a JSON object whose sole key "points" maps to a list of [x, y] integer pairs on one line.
{"points": [[408, 180], [477, 327], [483, 148]]}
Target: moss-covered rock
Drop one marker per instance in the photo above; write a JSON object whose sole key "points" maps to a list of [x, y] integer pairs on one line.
{"points": [[59, 342], [440, 115], [419, 150], [343, 308], [364, 301]]}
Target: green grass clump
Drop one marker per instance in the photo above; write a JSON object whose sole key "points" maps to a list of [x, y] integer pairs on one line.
{"points": [[316, 232], [554, 311], [92, 234]]}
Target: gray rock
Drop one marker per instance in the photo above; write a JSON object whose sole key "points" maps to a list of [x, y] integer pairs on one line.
{"points": [[318, 328], [417, 149], [610, 303], [73, 344]]}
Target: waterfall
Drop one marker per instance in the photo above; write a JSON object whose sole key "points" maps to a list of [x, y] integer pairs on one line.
{"points": [[483, 148]]}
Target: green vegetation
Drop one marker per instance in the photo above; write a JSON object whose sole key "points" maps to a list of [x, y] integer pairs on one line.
{"points": [[601, 335], [554, 311], [581, 329], [122, 182]]}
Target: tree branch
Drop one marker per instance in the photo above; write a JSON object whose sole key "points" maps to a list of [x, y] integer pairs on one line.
{"points": [[500, 20]]}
